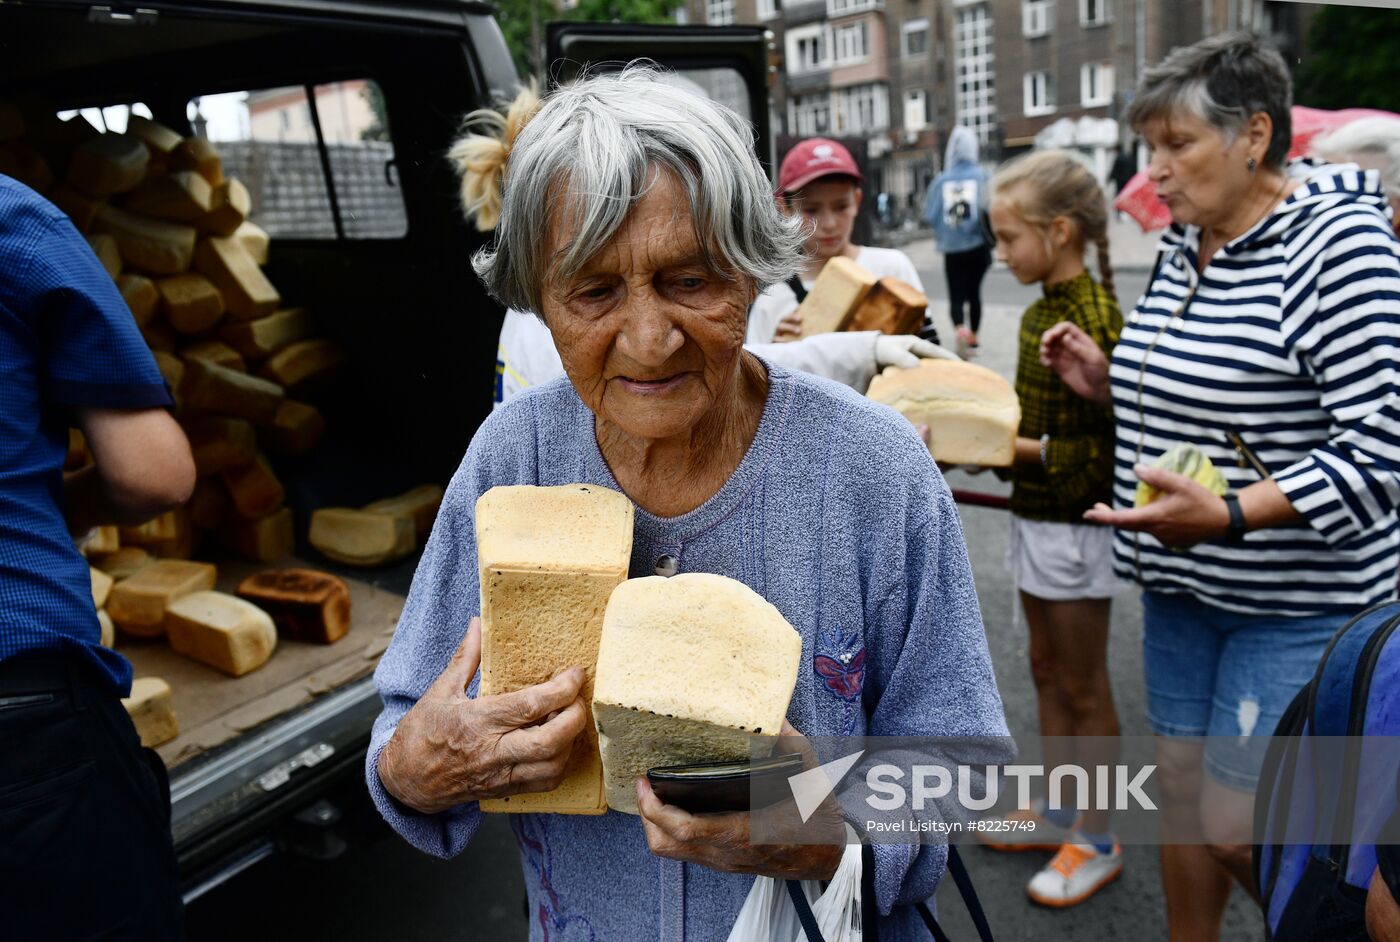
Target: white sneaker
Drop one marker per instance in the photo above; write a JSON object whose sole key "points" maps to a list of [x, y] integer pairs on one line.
{"points": [[1024, 830], [1074, 874]]}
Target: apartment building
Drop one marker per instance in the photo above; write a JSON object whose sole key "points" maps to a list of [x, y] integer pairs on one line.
{"points": [[892, 77]]}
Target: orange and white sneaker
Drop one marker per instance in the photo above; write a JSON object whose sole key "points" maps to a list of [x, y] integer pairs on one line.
{"points": [[1074, 874], [1025, 829]]}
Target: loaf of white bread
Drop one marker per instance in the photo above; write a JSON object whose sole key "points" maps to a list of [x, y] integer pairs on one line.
{"points": [[550, 558], [694, 668], [835, 296], [972, 413], [220, 630], [152, 711]]}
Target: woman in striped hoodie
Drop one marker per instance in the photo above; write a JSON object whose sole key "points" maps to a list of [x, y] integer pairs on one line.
{"points": [[1267, 339]]}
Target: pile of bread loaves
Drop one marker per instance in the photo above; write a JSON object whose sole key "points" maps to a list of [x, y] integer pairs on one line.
{"points": [[175, 599], [173, 232], [558, 596]]}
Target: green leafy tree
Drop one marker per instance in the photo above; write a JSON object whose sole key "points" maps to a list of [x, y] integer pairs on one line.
{"points": [[1351, 60], [379, 129], [522, 22]]}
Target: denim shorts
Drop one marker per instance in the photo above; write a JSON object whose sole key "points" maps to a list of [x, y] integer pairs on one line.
{"points": [[1226, 675]]}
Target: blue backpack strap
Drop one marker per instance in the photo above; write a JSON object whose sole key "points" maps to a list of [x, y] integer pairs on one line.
{"points": [[1274, 795]]}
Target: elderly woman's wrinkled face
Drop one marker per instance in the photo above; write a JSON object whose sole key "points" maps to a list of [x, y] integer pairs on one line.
{"points": [[650, 336], [1201, 174]]}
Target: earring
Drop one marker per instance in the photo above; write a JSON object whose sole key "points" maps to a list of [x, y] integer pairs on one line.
{"points": [[1250, 163]]}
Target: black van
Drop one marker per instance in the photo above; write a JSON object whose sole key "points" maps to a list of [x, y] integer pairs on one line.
{"points": [[346, 111]]}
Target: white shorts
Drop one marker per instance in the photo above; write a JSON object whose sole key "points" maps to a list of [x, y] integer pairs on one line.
{"points": [[1060, 561]]}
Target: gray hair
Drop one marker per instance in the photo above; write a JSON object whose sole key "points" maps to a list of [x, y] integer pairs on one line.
{"points": [[1223, 80], [594, 150], [1376, 137]]}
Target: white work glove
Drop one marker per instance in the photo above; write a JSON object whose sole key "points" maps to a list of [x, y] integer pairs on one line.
{"points": [[906, 350]]}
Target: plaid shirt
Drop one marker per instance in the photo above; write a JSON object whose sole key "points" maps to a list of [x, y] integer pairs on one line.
{"points": [[1078, 469]]}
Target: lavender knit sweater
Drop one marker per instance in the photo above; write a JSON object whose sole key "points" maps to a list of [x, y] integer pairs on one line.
{"points": [[838, 517]]}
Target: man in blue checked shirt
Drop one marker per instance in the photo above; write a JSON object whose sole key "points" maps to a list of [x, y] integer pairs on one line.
{"points": [[85, 847]]}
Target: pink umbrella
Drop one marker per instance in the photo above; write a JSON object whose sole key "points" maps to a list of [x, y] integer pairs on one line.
{"points": [[1138, 198]]}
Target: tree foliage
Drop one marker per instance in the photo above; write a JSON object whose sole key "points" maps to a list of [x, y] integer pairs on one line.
{"points": [[379, 129], [1351, 57], [517, 24]]}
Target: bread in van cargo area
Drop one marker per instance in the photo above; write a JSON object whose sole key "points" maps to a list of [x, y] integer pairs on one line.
{"points": [[159, 139], [305, 366], [228, 208], [101, 540], [159, 336], [264, 540], [360, 538], [210, 503], [105, 248], [106, 630], [78, 455], [305, 605], [148, 245], [195, 153], [216, 352], [77, 206], [221, 630], [219, 443], [140, 295], [255, 239], [152, 711], [550, 557], [169, 535], [691, 668], [254, 488], [247, 293], [101, 586], [126, 561], [156, 530], [190, 302], [420, 504], [834, 297], [27, 165], [137, 603], [266, 335], [218, 390], [971, 412], [295, 429], [108, 164], [184, 196], [891, 307], [172, 369]]}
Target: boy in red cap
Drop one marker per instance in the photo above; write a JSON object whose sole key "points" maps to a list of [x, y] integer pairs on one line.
{"points": [[819, 179]]}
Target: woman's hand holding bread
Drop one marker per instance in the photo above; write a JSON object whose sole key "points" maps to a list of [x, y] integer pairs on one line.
{"points": [[450, 749]]}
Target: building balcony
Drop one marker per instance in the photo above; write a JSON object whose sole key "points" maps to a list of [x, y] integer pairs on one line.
{"points": [[804, 11], [803, 83]]}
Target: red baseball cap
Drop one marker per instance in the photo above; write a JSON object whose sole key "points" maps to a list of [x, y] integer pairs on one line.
{"points": [[813, 158]]}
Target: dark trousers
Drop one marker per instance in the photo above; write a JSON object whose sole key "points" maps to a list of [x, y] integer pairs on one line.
{"points": [[85, 848], [965, 271]]}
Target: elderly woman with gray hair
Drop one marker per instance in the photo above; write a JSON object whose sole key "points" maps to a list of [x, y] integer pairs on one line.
{"points": [[1266, 339], [637, 222]]}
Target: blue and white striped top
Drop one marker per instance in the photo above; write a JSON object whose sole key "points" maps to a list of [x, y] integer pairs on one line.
{"points": [[1289, 340]]}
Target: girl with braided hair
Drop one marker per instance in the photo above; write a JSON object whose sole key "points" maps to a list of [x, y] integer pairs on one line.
{"points": [[1044, 209]]}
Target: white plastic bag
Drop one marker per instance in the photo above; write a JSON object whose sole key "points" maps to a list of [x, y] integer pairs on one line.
{"points": [[768, 914]]}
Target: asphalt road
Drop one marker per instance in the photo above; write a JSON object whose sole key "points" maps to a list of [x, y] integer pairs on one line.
{"points": [[380, 889]]}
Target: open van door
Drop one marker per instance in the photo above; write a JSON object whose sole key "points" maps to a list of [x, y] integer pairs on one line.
{"points": [[727, 63]]}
